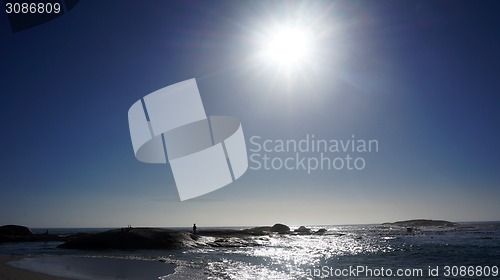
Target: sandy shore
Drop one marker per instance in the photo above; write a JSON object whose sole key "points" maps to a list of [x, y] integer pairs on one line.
{"points": [[68, 267], [8, 272]]}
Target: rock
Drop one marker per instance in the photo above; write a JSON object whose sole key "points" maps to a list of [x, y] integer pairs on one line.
{"points": [[133, 238], [15, 233], [303, 230], [222, 232], [155, 238], [280, 228], [258, 230], [15, 230]]}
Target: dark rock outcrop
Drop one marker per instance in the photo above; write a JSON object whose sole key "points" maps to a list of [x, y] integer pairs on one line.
{"points": [[132, 238], [15, 233], [258, 230], [280, 228], [222, 232], [15, 230], [303, 230], [321, 231]]}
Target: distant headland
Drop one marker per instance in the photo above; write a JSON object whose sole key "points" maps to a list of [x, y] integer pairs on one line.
{"points": [[422, 223]]}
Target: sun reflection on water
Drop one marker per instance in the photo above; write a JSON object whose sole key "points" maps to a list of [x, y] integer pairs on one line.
{"points": [[287, 256]]}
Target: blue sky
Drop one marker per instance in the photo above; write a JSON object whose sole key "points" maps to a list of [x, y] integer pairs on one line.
{"points": [[421, 77]]}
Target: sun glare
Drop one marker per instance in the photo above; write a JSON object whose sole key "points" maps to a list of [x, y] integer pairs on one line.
{"points": [[287, 47]]}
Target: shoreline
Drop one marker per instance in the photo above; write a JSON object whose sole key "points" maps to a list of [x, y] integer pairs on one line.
{"points": [[78, 267], [8, 272]]}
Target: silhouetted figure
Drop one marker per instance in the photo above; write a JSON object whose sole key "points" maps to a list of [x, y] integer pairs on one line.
{"points": [[194, 228]]}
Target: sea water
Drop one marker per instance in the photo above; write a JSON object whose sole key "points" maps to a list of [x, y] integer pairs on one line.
{"points": [[343, 252]]}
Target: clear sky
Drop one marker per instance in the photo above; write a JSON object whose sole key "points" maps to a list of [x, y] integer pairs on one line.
{"points": [[420, 77]]}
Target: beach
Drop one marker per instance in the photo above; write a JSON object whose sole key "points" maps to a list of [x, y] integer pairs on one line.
{"points": [[81, 268], [8, 272]]}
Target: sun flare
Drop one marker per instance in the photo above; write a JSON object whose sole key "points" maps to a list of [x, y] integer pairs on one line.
{"points": [[287, 47]]}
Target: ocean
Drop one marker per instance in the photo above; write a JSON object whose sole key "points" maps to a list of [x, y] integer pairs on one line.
{"points": [[468, 251]]}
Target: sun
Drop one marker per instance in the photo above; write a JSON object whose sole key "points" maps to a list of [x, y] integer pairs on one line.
{"points": [[287, 47]]}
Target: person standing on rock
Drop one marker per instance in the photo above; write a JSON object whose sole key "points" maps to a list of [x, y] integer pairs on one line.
{"points": [[194, 228]]}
